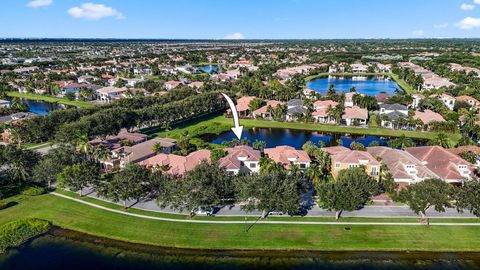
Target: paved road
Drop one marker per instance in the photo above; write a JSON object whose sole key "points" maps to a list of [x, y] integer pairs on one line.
{"points": [[262, 221], [315, 211]]}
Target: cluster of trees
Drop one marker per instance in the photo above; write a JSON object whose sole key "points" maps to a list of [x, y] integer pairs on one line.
{"points": [[128, 113]]}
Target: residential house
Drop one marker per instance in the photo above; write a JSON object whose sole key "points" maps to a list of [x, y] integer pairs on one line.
{"points": [[467, 148], [344, 158], [295, 108], [122, 138], [196, 85], [86, 79], [474, 103], [428, 117], [137, 153], [417, 98], [106, 94], [405, 168], [177, 165], [243, 106], [287, 155], [448, 100], [264, 113], [392, 114], [72, 88], [355, 116], [321, 114], [171, 84], [349, 99], [241, 160], [382, 98], [359, 68], [446, 165]]}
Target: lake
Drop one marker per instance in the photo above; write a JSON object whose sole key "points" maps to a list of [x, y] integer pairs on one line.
{"points": [[366, 85], [295, 138], [40, 107], [62, 249], [208, 68]]}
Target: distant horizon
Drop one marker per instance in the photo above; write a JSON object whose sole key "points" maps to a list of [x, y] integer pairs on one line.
{"points": [[240, 19], [234, 40]]}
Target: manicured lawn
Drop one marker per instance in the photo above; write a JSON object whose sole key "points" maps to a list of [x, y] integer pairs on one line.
{"points": [[51, 99], [75, 216], [219, 124]]}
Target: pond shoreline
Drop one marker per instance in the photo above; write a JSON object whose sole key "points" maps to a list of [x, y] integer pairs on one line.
{"points": [[257, 253]]}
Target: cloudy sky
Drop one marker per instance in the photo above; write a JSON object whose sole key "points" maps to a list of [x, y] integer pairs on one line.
{"points": [[239, 19]]}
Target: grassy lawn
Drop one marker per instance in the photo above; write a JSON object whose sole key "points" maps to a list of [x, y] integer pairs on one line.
{"points": [[75, 216], [219, 124], [51, 99]]}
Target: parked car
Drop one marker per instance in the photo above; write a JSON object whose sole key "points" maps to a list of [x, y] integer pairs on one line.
{"points": [[202, 211], [275, 213]]}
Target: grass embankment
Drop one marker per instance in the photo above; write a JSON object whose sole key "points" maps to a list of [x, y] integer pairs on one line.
{"points": [[219, 124], [15, 233], [50, 99], [405, 86], [75, 216]]}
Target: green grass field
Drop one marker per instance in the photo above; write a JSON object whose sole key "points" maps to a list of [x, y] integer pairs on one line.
{"points": [[219, 124], [64, 101], [75, 216]]}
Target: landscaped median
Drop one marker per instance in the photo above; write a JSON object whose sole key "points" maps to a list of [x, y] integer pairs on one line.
{"points": [[219, 124], [50, 99], [77, 216]]}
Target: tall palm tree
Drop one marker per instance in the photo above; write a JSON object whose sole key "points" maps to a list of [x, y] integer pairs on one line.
{"points": [[314, 173], [295, 171], [83, 145], [101, 153], [441, 140]]}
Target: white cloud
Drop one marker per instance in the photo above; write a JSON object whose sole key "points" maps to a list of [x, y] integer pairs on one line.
{"points": [[91, 11], [465, 6], [39, 3], [418, 33], [468, 23], [439, 26], [477, 2], [236, 35]]}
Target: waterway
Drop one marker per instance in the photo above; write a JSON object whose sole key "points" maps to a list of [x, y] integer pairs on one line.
{"points": [[61, 249]]}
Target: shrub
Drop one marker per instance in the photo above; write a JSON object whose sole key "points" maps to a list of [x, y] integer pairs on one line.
{"points": [[15, 233], [33, 191], [3, 205]]}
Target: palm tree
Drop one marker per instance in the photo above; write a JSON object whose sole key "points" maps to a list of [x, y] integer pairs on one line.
{"points": [[402, 142], [260, 145], [295, 171], [314, 173], [441, 140], [268, 166], [101, 153], [335, 112], [83, 145]]}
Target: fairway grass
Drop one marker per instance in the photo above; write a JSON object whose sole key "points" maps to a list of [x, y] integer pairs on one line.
{"points": [[78, 217]]}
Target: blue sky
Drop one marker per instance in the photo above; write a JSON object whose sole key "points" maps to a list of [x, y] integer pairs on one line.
{"points": [[250, 19]]}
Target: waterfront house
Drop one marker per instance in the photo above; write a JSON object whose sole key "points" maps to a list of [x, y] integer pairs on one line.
{"points": [[321, 114], [417, 98], [241, 160], [242, 106], [359, 68], [295, 108], [124, 137], [474, 103], [404, 168], [263, 112], [382, 98], [344, 158], [176, 165], [355, 116], [391, 114], [287, 156], [428, 117], [446, 165], [448, 100], [171, 85]]}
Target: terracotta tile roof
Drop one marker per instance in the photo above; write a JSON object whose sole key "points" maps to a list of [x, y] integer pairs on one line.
{"points": [[440, 161], [468, 99], [114, 142], [232, 159], [460, 149], [325, 103], [242, 103], [178, 165], [322, 112], [335, 149], [264, 109], [287, 154], [396, 161], [428, 116], [355, 112], [355, 157]]}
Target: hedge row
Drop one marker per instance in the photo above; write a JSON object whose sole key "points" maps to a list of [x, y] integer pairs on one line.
{"points": [[15, 233]]}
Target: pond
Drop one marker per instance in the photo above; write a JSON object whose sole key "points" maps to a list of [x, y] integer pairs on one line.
{"points": [[208, 68], [41, 107], [371, 86], [296, 138], [60, 250]]}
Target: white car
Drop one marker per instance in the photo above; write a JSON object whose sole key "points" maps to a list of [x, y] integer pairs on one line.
{"points": [[202, 211]]}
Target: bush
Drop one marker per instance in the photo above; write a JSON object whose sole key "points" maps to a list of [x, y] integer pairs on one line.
{"points": [[33, 191], [3, 205], [18, 232]]}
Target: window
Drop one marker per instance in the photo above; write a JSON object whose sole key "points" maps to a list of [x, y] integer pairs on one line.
{"points": [[253, 165], [337, 165], [302, 166]]}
